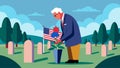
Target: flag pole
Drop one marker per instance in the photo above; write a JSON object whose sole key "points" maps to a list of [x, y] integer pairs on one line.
{"points": [[43, 41], [43, 45]]}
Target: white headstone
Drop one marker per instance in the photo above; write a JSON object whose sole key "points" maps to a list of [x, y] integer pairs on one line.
{"points": [[49, 45], [88, 48], [39, 48], [10, 48], [28, 51], [104, 50], [110, 45]]}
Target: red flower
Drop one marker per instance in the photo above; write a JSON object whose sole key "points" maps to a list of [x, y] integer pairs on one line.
{"points": [[55, 29]]}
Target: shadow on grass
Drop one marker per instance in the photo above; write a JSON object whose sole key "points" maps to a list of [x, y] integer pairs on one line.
{"points": [[112, 62], [110, 54], [6, 62], [19, 48], [19, 52], [41, 59], [46, 52], [95, 52], [72, 63], [114, 48]]}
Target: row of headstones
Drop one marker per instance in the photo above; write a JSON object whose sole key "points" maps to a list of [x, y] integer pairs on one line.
{"points": [[28, 50], [104, 49]]}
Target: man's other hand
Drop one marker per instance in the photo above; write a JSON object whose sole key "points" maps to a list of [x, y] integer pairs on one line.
{"points": [[57, 41]]}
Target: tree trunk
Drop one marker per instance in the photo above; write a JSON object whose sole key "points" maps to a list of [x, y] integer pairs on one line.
{"points": [[95, 44], [114, 45], [16, 45], [6, 46]]}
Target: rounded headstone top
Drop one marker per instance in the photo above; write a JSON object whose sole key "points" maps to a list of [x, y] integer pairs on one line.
{"points": [[88, 43], [103, 46], [49, 41], [39, 43], [110, 42], [10, 42], [28, 42]]}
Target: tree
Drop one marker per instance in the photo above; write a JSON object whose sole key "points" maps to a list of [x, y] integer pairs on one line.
{"points": [[24, 37], [0, 33], [119, 36], [85, 41], [95, 37], [102, 34], [6, 31], [114, 33], [16, 34], [29, 38]]}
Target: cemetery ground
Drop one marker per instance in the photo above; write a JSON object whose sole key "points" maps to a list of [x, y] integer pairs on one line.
{"points": [[46, 60]]}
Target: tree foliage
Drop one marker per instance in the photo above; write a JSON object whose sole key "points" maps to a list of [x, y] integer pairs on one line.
{"points": [[114, 33], [16, 34], [95, 37], [102, 34], [6, 30]]}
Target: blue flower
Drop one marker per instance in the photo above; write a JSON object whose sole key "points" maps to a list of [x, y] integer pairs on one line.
{"points": [[54, 34]]}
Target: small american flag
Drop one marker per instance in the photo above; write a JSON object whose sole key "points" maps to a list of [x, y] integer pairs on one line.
{"points": [[48, 32]]}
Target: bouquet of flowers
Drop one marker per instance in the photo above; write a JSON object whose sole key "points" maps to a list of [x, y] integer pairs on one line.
{"points": [[57, 43]]}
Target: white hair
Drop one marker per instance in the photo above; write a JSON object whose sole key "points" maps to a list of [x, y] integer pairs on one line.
{"points": [[56, 10]]}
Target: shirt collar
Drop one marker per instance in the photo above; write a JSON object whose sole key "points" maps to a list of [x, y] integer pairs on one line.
{"points": [[63, 17]]}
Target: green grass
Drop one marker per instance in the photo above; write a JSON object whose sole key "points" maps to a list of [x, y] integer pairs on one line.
{"points": [[47, 60]]}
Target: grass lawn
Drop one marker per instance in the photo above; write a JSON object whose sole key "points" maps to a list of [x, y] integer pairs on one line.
{"points": [[46, 60]]}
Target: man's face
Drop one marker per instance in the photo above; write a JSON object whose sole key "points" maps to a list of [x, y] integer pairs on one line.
{"points": [[58, 15]]}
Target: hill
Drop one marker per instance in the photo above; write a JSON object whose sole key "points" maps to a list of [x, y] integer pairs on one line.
{"points": [[36, 39], [89, 37]]}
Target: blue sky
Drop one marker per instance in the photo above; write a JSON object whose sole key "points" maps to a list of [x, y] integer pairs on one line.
{"points": [[32, 14]]}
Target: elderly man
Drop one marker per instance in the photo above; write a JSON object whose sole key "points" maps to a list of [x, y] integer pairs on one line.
{"points": [[71, 34]]}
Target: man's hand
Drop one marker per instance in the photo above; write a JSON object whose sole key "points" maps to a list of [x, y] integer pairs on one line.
{"points": [[57, 41]]}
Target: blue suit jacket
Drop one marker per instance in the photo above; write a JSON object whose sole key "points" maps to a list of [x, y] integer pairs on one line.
{"points": [[71, 33]]}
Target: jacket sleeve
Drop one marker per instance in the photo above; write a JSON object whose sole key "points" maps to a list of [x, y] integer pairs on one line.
{"points": [[67, 30]]}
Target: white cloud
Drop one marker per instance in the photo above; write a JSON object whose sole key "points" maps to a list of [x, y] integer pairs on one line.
{"points": [[35, 14], [27, 27], [30, 30], [110, 14], [105, 13], [14, 20], [86, 9], [85, 22], [114, 16], [89, 29], [2, 16]]}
